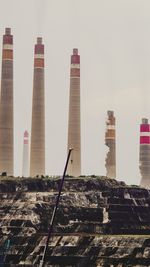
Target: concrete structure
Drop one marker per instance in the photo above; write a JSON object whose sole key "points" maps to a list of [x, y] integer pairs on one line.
{"points": [[145, 153], [25, 165], [6, 106], [37, 153], [110, 141], [74, 132]]}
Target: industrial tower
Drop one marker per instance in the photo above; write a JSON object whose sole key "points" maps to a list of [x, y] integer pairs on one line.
{"points": [[37, 152], [110, 141], [6, 107], [25, 165], [74, 131], [145, 153]]}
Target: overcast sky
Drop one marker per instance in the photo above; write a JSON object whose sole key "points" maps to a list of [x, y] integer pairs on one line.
{"points": [[113, 38]]}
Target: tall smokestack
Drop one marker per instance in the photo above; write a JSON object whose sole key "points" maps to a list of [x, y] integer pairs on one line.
{"points": [[145, 153], [110, 141], [6, 106], [25, 166], [74, 135], [37, 157]]}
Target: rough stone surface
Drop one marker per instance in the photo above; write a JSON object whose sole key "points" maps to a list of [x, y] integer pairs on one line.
{"points": [[100, 222]]}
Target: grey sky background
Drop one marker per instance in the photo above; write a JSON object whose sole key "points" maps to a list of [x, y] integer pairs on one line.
{"points": [[113, 38]]}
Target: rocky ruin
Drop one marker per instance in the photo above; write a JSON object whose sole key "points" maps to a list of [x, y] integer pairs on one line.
{"points": [[100, 222]]}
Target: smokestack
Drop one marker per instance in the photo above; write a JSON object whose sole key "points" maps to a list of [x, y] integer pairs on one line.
{"points": [[37, 156], [145, 153], [25, 166], [74, 134], [110, 141], [6, 107]]}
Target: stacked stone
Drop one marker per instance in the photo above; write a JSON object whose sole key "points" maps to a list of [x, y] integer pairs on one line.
{"points": [[6, 106], [110, 141], [99, 220], [74, 131], [145, 153], [25, 167], [37, 156]]}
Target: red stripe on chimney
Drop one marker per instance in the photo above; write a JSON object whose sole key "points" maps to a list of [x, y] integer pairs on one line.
{"points": [[144, 128], [144, 140]]}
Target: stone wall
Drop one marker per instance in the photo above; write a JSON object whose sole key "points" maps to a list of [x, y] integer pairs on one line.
{"points": [[100, 222]]}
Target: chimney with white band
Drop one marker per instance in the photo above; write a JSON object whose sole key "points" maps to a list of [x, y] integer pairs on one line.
{"points": [[110, 141], [25, 165], [37, 152], [145, 153], [74, 131], [6, 107]]}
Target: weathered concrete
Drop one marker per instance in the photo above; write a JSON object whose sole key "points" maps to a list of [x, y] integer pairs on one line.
{"points": [[37, 153], [110, 141], [144, 158], [6, 106], [25, 160], [74, 124], [100, 222]]}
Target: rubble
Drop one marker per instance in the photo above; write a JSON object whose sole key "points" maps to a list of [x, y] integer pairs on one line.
{"points": [[100, 222]]}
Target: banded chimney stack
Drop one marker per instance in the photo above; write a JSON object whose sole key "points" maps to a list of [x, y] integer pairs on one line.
{"points": [[74, 131], [145, 153], [37, 153], [6, 107], [25, 166], [110, 141]]}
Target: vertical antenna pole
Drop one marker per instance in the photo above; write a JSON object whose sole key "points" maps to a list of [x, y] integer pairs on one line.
{"points": [[54, 211]]}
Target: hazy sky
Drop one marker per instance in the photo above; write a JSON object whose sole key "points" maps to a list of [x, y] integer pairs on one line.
{"points": [[113, 38]]}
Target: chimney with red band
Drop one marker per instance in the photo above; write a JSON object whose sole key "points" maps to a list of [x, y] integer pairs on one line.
{"points": [[37, 152], [74, 131], [25, 165], [6, 107], [145, 153]]}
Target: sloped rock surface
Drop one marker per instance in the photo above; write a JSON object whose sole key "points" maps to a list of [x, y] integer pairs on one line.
{"points": [[100, 222]]}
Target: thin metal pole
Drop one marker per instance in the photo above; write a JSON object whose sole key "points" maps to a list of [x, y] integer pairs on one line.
{"points": [[42, 263]]}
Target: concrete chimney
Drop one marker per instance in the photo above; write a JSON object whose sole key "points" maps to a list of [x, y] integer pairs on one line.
{"points": [[37, 152], [110, 141], [6, 107], [144, 165], [74, 131], [25, 165]]}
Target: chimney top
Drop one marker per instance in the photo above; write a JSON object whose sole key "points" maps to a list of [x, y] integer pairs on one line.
{"points": [[110, 113], [26, 134], [144, 121], [75, 51], [7, 31], [39, 40]]}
